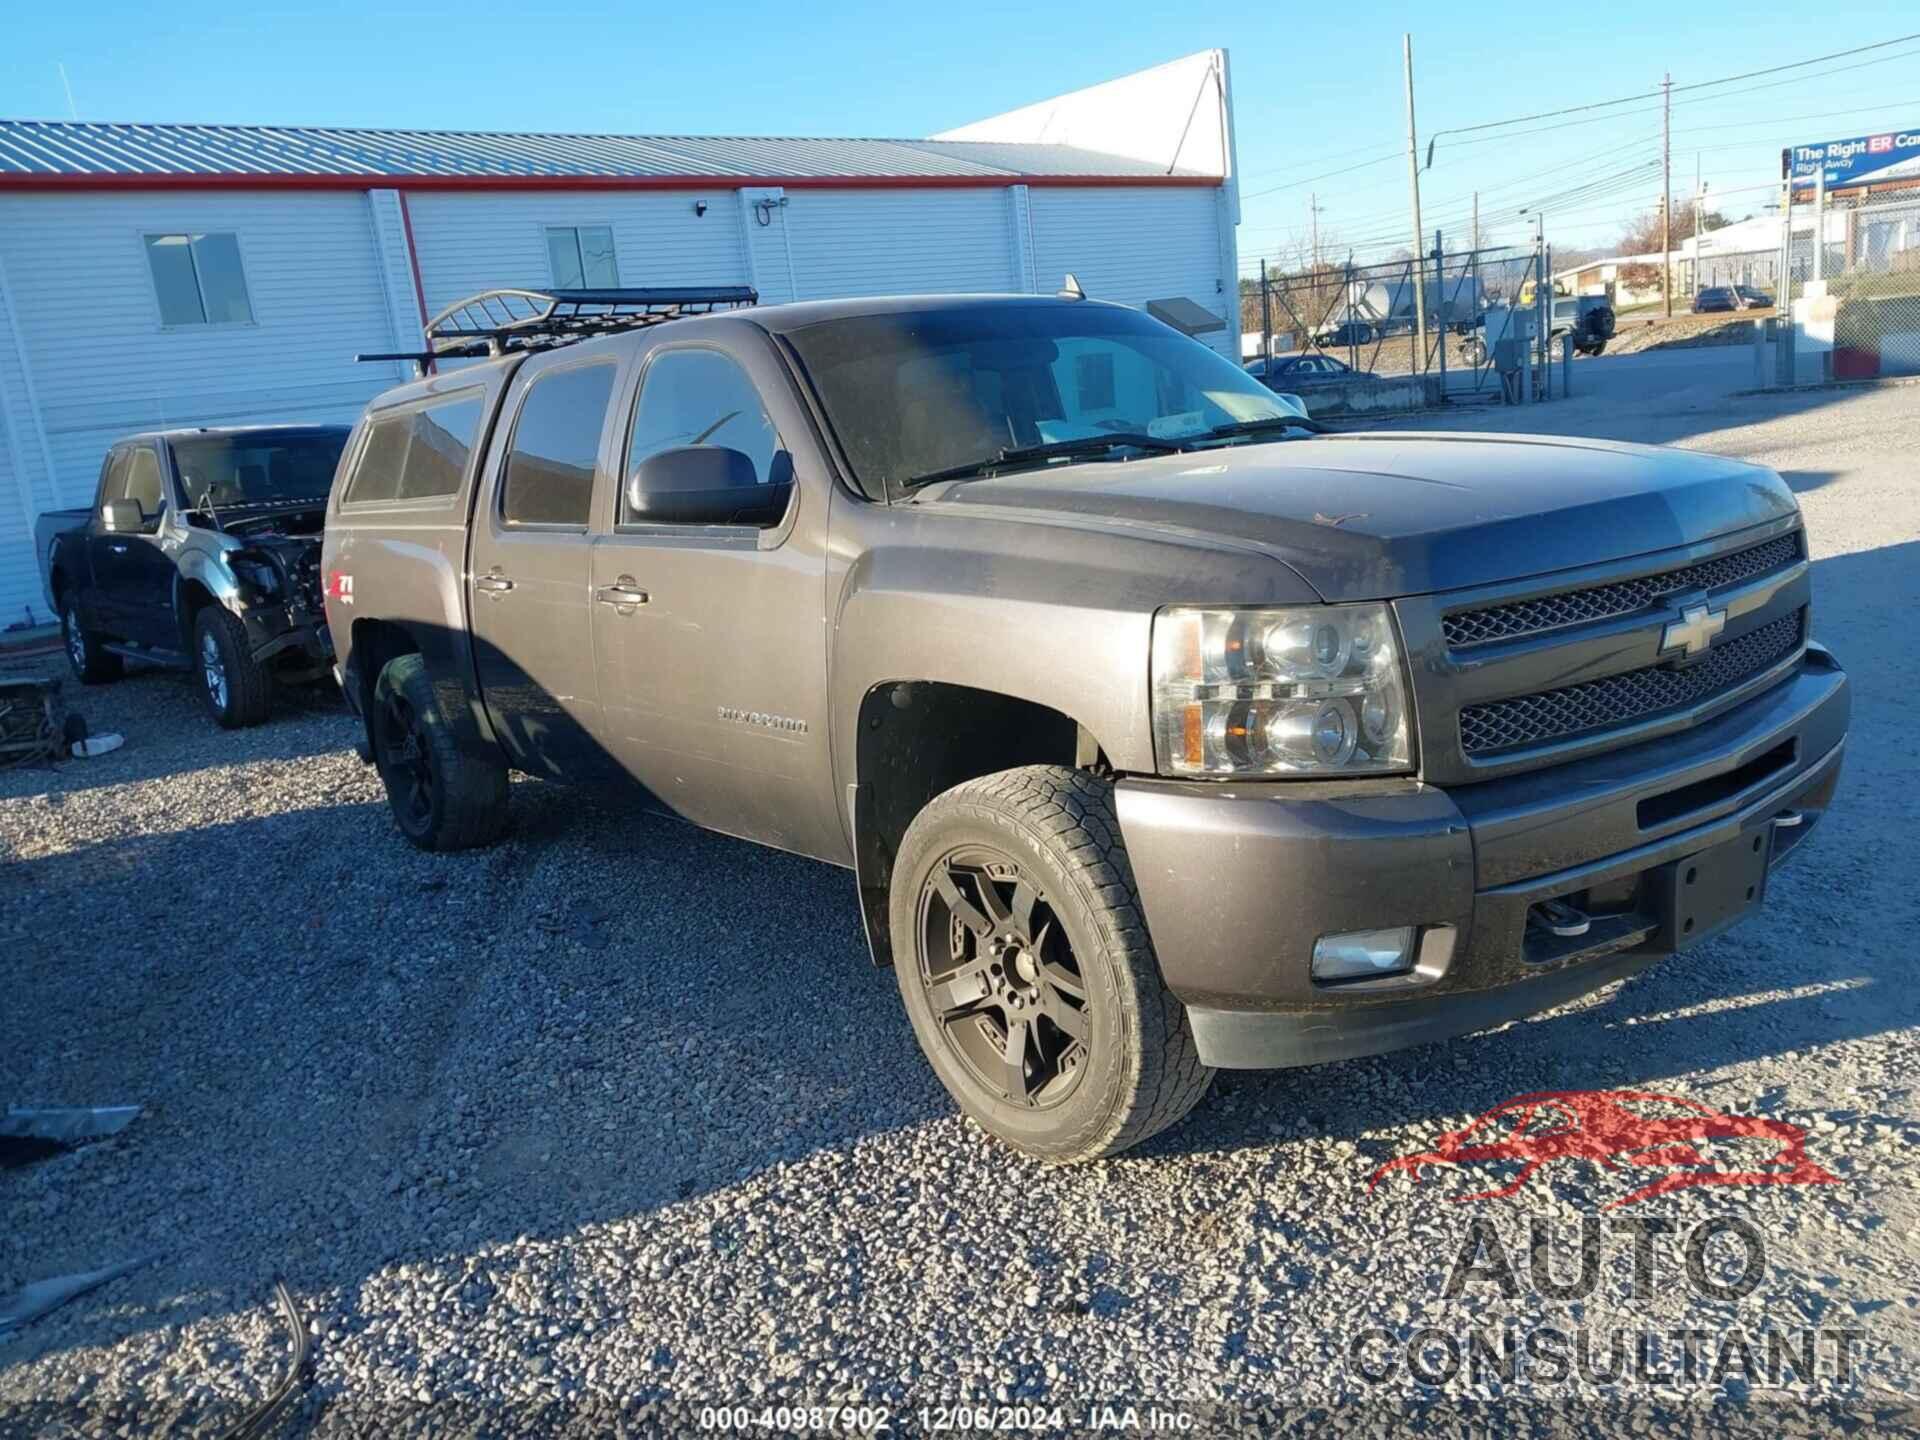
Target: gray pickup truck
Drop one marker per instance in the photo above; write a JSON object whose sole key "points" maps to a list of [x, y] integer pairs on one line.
{"points": [[1161, 732], [200, 552]]}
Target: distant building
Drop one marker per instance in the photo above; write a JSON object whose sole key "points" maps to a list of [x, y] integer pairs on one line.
{"points": [[167, 275]]}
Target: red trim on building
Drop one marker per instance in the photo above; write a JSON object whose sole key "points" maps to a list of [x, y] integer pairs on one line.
{"points": [[413, 260], [230, 181]]}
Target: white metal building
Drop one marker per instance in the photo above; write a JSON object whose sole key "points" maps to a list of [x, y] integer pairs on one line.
{"points": [[162, 275]]}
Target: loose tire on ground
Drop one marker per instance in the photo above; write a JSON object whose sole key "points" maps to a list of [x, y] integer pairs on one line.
{"points": [[237, 689], [1043, 839], [443, 797], [90, 664]]}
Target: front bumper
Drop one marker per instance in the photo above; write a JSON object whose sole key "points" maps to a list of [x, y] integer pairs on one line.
{"points": [[274, 631], [1238, 880]]}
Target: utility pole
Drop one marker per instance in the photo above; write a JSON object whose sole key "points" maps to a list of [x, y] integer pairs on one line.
{"points": [[1313, 228], [1666, 192], [1413, 178], [1699, 218], [1266, 318]]}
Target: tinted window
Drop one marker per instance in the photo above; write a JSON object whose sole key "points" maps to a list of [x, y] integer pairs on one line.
{"points": [[700, 397], [912, 393], [143, 481], [115, 487], [265, 469], [556, 442], [417, 454]]}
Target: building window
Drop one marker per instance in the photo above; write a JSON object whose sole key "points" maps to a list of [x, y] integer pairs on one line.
{"points": [[582, 257], [199, 280], [1093, 378]]}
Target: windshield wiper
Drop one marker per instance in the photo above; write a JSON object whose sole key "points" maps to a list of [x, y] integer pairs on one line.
{"points": [[1265, 425], [1055, 449]]}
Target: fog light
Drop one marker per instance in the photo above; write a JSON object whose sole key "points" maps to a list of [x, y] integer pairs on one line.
{"points": [[1362, 954]]}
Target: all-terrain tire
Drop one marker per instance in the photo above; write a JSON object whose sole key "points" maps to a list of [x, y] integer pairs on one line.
{"points": [[237, 689], [91, 665], [1140, 1071], [443, 796]]}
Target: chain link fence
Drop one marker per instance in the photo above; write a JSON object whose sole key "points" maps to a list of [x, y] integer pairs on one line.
{"points": [[1399, 335], [1852, 290]]}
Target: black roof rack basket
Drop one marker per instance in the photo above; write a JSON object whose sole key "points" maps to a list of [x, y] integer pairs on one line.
{"points": [[496, 322]]}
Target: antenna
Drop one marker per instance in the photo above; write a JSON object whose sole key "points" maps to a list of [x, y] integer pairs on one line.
{"points": [[1071, 289]]}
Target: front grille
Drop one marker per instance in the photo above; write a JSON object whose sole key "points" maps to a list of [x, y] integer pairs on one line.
{"points": [[1621, 699], [1605, 602]]}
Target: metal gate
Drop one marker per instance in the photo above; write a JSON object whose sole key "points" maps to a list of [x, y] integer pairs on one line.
{"points": [[1485, 313], [1852, 286]]}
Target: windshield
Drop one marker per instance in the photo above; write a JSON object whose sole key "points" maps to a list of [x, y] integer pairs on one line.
{"points": [[263, 470], [928, 392]]}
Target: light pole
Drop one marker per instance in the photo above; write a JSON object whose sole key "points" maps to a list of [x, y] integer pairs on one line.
{"points": [[1542, 296]]}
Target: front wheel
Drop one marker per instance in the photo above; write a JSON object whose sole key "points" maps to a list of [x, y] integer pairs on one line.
{"points": [[91, 664], [1025, 966], [237, 688], [443, 797]]}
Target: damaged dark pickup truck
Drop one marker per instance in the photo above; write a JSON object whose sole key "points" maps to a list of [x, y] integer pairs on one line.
{"points": [[201, 552]]}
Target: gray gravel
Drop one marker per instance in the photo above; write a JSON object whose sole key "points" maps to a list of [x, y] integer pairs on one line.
{"points": [[618, 1115]]}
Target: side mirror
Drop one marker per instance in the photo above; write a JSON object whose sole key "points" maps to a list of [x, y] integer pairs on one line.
{"points": [[707, 485], [124, 516]]}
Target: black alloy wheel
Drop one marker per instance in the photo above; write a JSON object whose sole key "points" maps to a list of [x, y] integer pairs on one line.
{"points": [[1001, 980], [406, 762]]}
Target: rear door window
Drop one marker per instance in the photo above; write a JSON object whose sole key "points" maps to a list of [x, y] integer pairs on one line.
{"points": [[556, 447], [419, 453]]}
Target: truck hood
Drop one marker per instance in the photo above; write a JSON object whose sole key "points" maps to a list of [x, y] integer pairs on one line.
{"points": [[1374, 516]]}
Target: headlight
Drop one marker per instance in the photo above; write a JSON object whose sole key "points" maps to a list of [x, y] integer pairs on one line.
{"points": [[1319, 689], [255, 571]]}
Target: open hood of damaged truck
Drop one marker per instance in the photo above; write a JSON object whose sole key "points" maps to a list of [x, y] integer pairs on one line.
{"points": [[1379, 515]]}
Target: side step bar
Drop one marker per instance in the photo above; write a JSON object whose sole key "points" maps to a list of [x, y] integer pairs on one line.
{"points": [[152, 655]]}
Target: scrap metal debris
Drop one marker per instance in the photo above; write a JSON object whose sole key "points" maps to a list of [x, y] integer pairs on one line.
{"points": [[261, 1420], [68, 1124], [29, 1133], [31, 721], [30, 1302]]}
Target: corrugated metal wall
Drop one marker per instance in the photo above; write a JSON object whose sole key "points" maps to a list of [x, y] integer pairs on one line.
{"points": [[1132, 246], [329, 276], [470, 241]]}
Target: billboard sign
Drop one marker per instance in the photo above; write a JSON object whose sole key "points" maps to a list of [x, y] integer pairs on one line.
{"points": [[1863, 160]]}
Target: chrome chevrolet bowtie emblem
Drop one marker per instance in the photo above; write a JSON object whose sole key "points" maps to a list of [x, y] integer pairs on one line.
{"points": [[1693, 632]]}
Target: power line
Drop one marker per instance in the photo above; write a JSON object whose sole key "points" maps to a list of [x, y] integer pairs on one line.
{"points": [[1651, 94]]}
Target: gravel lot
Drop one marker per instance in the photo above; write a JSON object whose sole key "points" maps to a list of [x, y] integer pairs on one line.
{"points": [[618, 1116]]}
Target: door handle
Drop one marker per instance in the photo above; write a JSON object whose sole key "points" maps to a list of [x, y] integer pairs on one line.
{"points": [[623, 594], [496, 583]]}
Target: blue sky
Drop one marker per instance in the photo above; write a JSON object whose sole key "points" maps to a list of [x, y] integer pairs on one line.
{"points": [[1317, 87]]}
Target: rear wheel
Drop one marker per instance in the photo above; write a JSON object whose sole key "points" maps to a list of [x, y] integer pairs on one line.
{"points": [[1024, 964], [443, 798], [91, 665], [237, 688]]}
